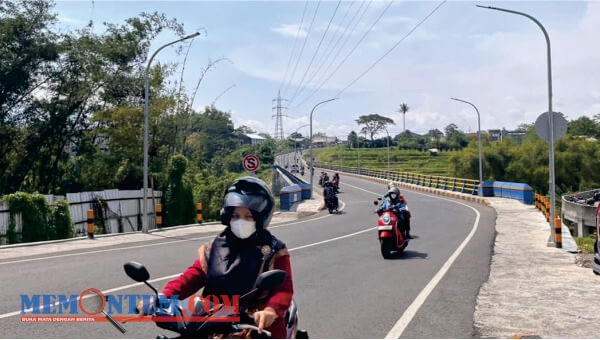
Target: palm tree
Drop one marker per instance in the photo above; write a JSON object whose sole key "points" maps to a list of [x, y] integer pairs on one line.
{"points": [[403, 109]]}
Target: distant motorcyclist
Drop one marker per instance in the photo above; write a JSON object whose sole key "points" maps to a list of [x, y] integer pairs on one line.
{"points": [[336, 182], [396, 202], [330, 194]]}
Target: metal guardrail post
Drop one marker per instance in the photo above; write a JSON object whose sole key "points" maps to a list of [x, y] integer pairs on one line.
{"points": [[557, 231], [199, 213], [159, 215], [90, 223]]}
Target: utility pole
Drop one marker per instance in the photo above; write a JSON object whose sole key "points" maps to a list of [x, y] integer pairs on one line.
{"points": [[279, 117]]}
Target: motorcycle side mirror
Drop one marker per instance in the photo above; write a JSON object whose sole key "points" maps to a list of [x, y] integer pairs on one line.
{"points": [[375, 202], [139, 273], [270, 279], [136, 271]]}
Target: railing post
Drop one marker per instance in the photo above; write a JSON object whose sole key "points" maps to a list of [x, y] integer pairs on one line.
{"points": [[90, 223], [199, 213], [158, 215]]}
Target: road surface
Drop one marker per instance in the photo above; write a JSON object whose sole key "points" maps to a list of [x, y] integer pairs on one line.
{"points": [[343, 287]]}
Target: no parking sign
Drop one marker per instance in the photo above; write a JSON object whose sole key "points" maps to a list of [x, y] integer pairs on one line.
{"points": [[251, 163]]}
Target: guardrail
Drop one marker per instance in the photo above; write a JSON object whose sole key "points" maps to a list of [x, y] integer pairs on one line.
{"points": [[579, 212], [293, 193], [462, 185]]}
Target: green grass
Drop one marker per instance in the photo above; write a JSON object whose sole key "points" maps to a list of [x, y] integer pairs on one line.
{"points": [[376, 158], [586, 244]]}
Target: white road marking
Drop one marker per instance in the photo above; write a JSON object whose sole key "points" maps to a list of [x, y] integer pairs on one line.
{"points": [[6, 315], [155, 244], [414, 307]]}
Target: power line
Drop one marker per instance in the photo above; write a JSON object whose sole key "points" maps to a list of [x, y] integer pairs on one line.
{"points": [[328, 51], [392, 48], [287, 68], [339, 50], [302, 49], [316, 51], [350, 53]]}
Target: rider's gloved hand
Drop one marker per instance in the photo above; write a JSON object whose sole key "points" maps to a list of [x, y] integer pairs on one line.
{"points": [[264, 318], [145, 305]]}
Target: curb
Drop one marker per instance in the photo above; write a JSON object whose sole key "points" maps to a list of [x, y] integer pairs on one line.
{"points": [[414, 187], [31, 244]]}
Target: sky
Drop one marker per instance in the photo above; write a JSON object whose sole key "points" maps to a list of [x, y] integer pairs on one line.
{"points": [[493, 59]]}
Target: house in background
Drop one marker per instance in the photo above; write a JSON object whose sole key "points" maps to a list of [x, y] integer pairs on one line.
{"points": [[320, 141], [252, 139]]}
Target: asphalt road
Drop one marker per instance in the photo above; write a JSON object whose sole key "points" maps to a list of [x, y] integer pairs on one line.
{"points": [[343, 287]]}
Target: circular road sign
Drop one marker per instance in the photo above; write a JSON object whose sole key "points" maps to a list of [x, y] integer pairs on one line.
{"points": [[251, 163], [542, 126]]}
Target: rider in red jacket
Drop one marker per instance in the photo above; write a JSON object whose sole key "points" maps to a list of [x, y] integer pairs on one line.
{"points": [[231, 263]]}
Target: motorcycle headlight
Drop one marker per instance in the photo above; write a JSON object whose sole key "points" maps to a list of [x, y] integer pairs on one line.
{"points": [[386, 219]]}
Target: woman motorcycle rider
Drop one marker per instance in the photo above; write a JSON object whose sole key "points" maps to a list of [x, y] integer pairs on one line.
{"points": [[231, 263], [394, 199]]}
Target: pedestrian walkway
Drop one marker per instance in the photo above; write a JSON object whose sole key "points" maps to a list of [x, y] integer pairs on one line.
{"points": [[303, 209], [533, 288]]}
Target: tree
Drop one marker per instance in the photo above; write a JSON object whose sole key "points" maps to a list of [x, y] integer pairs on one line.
{"points": [[179, 200], [265, 135], [353, 139], [583, 126], [455, 137], [450, 130], [403, 109], [244, 130], [435, 136], [373, 124]]}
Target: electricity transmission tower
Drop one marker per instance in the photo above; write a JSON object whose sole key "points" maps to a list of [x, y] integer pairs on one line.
{"points": [[279, 117]]}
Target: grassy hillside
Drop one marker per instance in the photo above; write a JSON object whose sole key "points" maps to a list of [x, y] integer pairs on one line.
{"points": [[401, 160]]}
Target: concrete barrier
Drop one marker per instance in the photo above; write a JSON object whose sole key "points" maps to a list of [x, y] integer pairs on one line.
{"points": [[519, 191], [289, 195]]}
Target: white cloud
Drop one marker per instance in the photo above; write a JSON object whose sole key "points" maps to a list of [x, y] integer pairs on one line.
{"points": [[69, 20], [255, 125], [398, 19], [289, 30]]}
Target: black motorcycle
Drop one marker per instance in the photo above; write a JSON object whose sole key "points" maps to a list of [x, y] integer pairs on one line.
{"points": [[267, 281]]}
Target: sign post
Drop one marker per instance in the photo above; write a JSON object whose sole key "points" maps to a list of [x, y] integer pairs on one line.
{"points": [[251, 164]]}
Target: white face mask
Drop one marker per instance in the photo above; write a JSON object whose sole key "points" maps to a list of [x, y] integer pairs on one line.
{"points": [[242, 228], [393, 196]]}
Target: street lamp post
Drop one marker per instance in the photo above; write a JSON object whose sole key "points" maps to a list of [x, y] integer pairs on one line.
{"points": [[295, 143], [550, 115], [312, 157], [146, 108], [479, 142]]}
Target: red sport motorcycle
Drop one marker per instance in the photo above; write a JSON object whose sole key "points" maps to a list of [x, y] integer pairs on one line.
{"points": [[389, 224]]}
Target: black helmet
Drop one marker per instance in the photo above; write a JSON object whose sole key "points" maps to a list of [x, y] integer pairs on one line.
{"points": [[394, 190], [252, 193]]}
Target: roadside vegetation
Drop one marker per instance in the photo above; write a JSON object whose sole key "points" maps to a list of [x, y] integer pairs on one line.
{"points": [[577, 157], [72, 113], [586, 244], [414, 161]]}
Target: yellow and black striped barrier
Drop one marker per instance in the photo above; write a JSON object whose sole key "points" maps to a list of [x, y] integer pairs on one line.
{"points": [[557, 231], [90, 223], [159, 216], [543, 204], [199, 213]]}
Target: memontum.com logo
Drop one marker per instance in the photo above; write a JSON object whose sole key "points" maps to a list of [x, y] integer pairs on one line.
{"points": [[92, 306]]}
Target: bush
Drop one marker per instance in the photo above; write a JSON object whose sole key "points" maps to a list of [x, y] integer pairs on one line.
{"points": [[179, 199], [586, 244], [34, 211], [60, 219]]}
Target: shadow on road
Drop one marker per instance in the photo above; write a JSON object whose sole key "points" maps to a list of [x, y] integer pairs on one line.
{"points": [[410, 254]]}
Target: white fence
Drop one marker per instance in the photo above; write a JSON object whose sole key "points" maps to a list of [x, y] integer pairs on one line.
{"points": [[121, 211]]}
